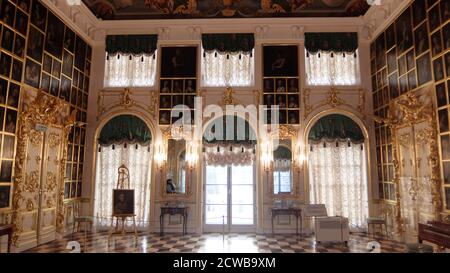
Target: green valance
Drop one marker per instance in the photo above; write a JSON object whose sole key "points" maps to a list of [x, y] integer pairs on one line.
{"points": [[125, 129], [336, 42], [131, 44], [334, 127], [229, 43], [242, 132], [282, 152]]}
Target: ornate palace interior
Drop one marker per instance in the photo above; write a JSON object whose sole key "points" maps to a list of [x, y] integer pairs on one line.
{"points": [[225, 126]]}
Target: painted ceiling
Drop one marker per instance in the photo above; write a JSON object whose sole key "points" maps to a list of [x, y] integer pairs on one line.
{"points": [[186, 9]]}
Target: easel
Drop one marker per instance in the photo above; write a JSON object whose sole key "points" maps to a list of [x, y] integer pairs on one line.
{"points": [[123, 182]]}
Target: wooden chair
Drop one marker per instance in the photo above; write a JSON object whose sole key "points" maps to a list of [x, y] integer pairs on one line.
{"points": [[77, 219], [376, 221]]}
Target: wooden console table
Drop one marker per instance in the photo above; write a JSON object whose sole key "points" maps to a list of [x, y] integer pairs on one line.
{"points": [[183, 211], [289, 211], [7, 230]]}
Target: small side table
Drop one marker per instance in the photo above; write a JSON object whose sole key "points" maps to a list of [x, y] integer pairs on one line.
{"points": [[7, 230], [289, 211], [183, 211]]}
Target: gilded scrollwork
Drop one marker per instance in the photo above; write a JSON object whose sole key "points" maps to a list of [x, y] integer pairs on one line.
{"points": [[32, 181], [54, 140], [52, 183], [35, 138]]}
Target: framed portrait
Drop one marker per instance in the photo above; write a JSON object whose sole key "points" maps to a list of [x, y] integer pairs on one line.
{"points": [[166, 86], [54, 87], [179, 62], [402, 65], [165, 101], [5, 64], [446, 172], [32, 73], [268, 86], [69, 40], [412, 81], [445, 10], [280, 86], [445, 146], [164, 117], [6, 172], [392, 61], [410, 63], [447, 64], [17, 67], [21, 23], [434, 18], [67, 190], [281, 101], [189, 101], [403, 29], [443, 120], [293, 101], [55, 36], [19, 45], [393, 85], [268, 99], [177, 100], [80, 53], [123, 202], [436, 43], [13, 95], [10, 122], [8, 147], [446, 35], [87, 68], [79, 188], [56, 68], [292, 86], [24, 5], [177, 86], [423, 65], [390, 37], [190, 86], [8, 39], [8, 13], [441, 96], [294, 116], [282, 118], [66, 85], [280, 61], [403, 84], [5, 193], [67, 64], [35, 44], [438, 68], [73, 190], [3, 89], [47, 63], [419, 12], [38, 15], [45, 82], [86, 84], [421, 39]]}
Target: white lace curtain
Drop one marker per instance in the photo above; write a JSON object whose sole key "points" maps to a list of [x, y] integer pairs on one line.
{"points": [[229, 154], [332, 69], [338, 179], [220, 69], [138, 161], [128, 70]]}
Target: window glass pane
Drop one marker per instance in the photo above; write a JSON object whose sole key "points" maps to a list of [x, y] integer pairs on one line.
{"points": [[242, 214], [216, 214]]}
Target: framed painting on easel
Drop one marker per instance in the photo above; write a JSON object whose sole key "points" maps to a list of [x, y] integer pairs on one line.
{"points": [[123, 202]]}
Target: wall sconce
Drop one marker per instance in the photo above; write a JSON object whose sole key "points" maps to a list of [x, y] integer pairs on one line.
{"points": [[192, 155], [300, 158], [160, 155], [267, 155]]}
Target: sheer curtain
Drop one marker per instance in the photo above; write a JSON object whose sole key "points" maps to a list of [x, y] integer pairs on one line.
{"points": [[338, 179], [137, 159], [128, 70], [220, 69], [332, 69]]}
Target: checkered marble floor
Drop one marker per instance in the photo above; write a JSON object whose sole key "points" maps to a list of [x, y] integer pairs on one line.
{"points": [[97, 242]]}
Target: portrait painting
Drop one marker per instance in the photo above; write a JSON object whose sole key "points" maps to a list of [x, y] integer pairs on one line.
{"points": [[293, 101], [436, 43], [73, 96], [8, 13], [73, 190], [434, 18], [38, 15], [282, 118], [32, 73], [390, 37], [3, 89], [190, 86], [438, 68], [410, 63], [10, 122], [164, 117], [2, 115], [393, 85], [177, 86], [446, 35], [392, 61], [21, 23], [179, 62], [445, 147], [5, 64], [67, 190], [402, 65], [441, 96], [280, 85], [421, 39], [165, 101], [55, 36], [86, 84], [281, 101], [35, 44], [8, 147], [17, 68], [5, 193], [6, 172], [166, 86], [403, 84], [412, 80], [403, 29], [54, 87], [79, 185], [47, 63], [268, 99], [294, 116], [45, 82], [84, 103], [280, 61], [13, 95], [189, 101], [423, 69], [24, 5], [88, 68], [177, 100], [66, 85], [443, 120], [80, 53], [69, 40], [292, 86], [19, 45], [445, 10], [8, 39], [446, 171], [419, 12], [268, 86], [447, 64], [67, 64], [56, 68]]}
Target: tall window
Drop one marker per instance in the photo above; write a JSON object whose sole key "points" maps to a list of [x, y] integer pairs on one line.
{"points": [[228, 60], [332, 59], [282, 182], [282, 176], [130, 61]]}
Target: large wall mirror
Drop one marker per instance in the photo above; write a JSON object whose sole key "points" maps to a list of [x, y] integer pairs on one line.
{"points": [[282, 175], [176, 179]]}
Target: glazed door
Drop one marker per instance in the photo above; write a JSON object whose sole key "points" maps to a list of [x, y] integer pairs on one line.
{"points": [[229, 199]]}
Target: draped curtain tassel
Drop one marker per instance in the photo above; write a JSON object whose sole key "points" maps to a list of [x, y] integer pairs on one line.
{"points": [[113, 147], [228, 56], [125, 145], [99, 149], [130, 58], [215, 54], [240, 57], [307, 54], [332, 55], [355, 55], [137, 146], [118, 56], [204, 54], [107, 57]]}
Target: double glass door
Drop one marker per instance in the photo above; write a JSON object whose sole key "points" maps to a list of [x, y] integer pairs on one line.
{"points": [[229, 199]]}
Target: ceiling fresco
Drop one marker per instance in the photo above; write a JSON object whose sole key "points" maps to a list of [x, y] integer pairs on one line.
{"points": [[188, 9]]}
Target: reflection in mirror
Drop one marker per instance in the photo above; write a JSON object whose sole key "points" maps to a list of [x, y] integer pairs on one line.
{"points": [[176, 167], [282, 165]]}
